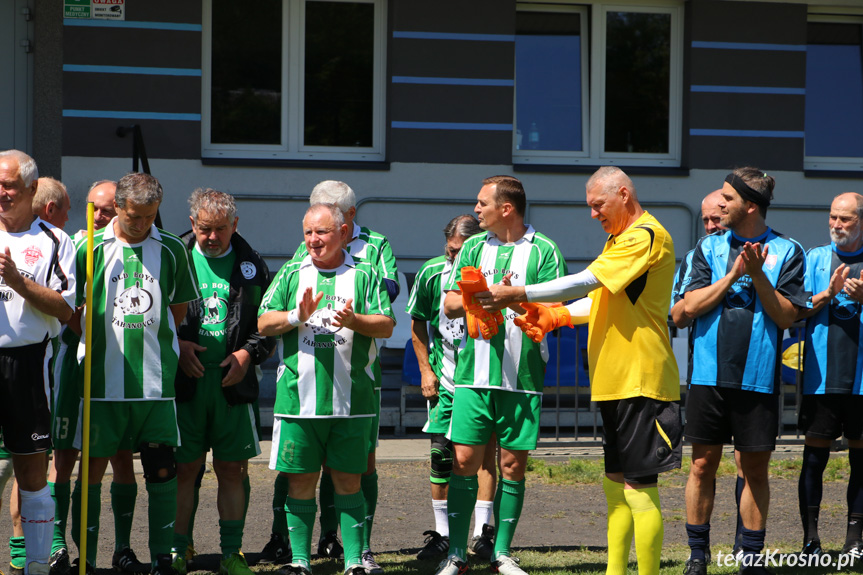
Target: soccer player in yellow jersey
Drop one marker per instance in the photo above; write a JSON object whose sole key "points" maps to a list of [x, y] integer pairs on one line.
{"points": [[626, 311]]}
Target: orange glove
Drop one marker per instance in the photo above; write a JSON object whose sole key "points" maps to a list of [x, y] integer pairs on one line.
{"points": [[541, 319], [477, 320]]}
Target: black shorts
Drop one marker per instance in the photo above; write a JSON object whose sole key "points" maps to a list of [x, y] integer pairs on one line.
{"points": [[641, 436], [829, 416], [715, 415], [25, 417]]}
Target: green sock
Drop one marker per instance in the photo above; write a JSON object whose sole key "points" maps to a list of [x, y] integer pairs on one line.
{"points": [[326, 494], [647, 516], [352, 513], [231, 536], [181, 541], [123, 496], [161, 513], [369, 487], [280, 495], [460, 503], [301, 520], [247, 491], [94, 508], [620, 527], [508, 512], [17, 552], [190, 530], [62, 494]]}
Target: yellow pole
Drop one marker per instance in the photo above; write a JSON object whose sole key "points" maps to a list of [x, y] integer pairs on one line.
{"points": [[88, 361]]}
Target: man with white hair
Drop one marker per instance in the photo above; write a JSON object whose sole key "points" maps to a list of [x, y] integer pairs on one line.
{"points": [[367, 245], [37, 292], [51, 202], [832, 401]]}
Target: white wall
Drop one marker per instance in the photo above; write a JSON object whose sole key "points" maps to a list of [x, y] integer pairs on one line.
{"points": [[273, 227]]}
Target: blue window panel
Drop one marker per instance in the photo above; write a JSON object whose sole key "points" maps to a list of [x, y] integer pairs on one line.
{"points": [[834, 101], [548, 92]]}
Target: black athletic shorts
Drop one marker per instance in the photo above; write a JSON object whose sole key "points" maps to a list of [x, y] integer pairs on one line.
{"points": [[715, 415], [829, 416], [24, 413], [641, 436]]}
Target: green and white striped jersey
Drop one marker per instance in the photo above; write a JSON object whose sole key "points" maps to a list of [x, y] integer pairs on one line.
{"points": [[366, 245], [509, 360], [426, 304], [135, 348], [326, 370]]}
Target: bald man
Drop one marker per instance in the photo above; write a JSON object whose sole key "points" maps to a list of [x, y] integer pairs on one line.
{"points": [[832, 388]]}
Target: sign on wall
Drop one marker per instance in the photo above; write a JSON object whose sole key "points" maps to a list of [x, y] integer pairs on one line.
{"points": [[95, 9]]}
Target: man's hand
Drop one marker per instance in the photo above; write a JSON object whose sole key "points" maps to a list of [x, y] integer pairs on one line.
{"points": [[854, 288], [541, 319], [346, 317], [309, 304], [239, 362], [74, 322], [189, 362], [837, 280], [754, 258], [430, 385], [9, 271]]}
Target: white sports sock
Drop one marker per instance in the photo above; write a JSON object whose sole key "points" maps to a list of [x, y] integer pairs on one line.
{"points": [[441, 520], [481, 515], [37, 520]]}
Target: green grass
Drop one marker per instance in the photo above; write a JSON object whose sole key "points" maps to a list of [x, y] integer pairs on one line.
{"points": [[591, 471], [565, 561]]}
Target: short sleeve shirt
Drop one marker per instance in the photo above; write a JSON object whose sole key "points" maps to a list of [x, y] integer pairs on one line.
{"points": [[45, 255], [135, 350], [833, 357], [736, 343], [426, 304], [326, 370], [629, 352], [510, 360]]}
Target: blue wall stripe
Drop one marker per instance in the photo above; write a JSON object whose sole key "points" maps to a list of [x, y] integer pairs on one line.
{"points": [[748, 133], [132, 70], [131, 24], [451, 81], [749, 46], [455, 36], [452, 126], [130, 115], [748, 90]]}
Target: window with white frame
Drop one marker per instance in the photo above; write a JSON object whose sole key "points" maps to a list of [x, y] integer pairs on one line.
{"points": [[294, 79], [598, 84], [834, 94]]}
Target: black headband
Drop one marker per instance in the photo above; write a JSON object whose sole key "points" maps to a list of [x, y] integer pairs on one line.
{"points": [[746, 192]]}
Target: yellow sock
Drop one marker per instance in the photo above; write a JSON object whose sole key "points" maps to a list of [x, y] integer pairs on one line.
{"points": [[647, 516], [619, 527]]}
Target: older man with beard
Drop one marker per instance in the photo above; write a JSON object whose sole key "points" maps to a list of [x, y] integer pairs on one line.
{"points": [[832, 391]]}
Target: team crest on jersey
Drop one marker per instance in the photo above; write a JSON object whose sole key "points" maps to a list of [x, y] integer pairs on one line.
{"points": [[322, 321], [741, 293], [32, 255], [215, 310], [248, 270], [134, 300], [770, 261], [842, 307], [453, 329]]}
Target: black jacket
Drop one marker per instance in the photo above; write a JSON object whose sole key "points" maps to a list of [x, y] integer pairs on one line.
{"points": [[242, 323]]}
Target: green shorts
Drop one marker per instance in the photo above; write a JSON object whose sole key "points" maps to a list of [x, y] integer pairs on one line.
{"points": [[116, 425], [301, 445], [440, 412], [479, 412], [66, 407], [207, 421], [375, 425]]}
